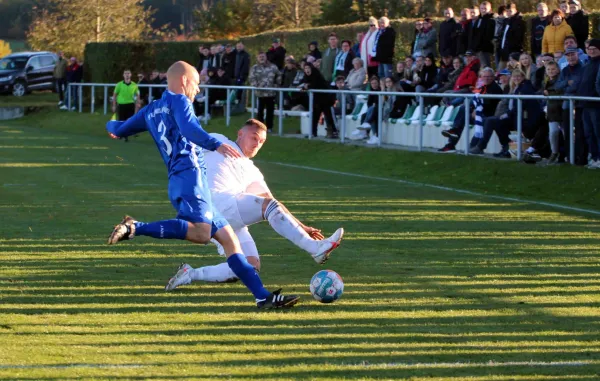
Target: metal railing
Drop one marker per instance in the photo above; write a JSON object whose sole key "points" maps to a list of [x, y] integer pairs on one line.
{"points": [[419, 96]]}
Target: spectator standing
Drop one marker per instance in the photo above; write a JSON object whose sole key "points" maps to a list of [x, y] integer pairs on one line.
{"points": [[228, 61], [571, 43], [276, 54], [461, 34], [499, 30], [556, 33], [591, 110], [221, 79], [125, 96], [366, 47], [426, 42], [60, 77], [447, 44], [482, 34], [144, 91], [418, 28], [265, 74], [215, 60], [343, 61], [356, 46], [74, 75], [538, 29], [553, 111], [579, 22], [513, 36], [322, 102], [242, 67], [568, 82], [289, 75], [205, 58], [564, 7], [385, 44], [313, 50], [328, 60]]}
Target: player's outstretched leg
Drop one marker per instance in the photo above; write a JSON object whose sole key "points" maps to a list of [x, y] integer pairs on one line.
{"points": [[288, 227], [186, 274], [167, 229]]}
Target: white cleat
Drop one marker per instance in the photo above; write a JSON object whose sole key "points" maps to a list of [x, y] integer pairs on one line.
{"points": [[180, 278], [328, 245], [220, 248]]}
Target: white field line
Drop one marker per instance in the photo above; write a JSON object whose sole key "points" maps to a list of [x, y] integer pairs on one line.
{"points": [[439, 187], [458, 364]]}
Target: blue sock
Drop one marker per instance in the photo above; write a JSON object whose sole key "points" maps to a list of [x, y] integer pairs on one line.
{"points": [[247, 274], [167, 229]]}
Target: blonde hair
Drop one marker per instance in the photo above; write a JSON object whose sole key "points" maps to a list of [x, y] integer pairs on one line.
{"points": [[517, 71], [527, 70], [373, 20]]}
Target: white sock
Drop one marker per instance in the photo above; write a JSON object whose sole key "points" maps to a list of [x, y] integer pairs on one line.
{"points": [[287, 227], [220, 273]]}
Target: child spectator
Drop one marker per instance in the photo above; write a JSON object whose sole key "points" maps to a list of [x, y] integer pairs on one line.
{"points": [[553, 111]]}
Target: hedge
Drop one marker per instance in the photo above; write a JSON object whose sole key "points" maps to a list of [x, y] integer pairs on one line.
{"points": [[105, 62]]}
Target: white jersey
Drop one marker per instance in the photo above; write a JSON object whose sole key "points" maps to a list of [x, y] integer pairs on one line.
{"points": [[228, 178]]}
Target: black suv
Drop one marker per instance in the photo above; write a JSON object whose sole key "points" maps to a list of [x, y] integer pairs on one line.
{"points": [[22, 72]]}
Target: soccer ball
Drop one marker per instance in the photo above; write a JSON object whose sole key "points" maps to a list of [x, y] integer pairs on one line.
{"points": [[326, 286]]}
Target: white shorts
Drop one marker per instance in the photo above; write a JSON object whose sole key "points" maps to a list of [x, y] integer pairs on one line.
{"points": [[242, 210]]}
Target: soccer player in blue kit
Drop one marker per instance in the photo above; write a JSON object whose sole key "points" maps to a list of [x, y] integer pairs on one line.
{"points": [[180, 139]]}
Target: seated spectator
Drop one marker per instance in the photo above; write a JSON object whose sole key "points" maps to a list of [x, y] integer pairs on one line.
{"points": [[427, 75], [465, 83], [502, 125], [553, 111], [526, 64], [201, 96], [313, 50], [555, 33], [357, 77], [513, 61], [220, 79], [313, 80], [487, 78], [394, 105], [571, 43], [537, 79], [558, 55], [370, 118], [343, 61], [400, 73], [340, 84], [443, 72], [416, 72], [317, 64], [457, 68]]}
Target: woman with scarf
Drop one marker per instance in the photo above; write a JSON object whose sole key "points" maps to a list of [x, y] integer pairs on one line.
{"points": [[366, 47], [322, 102]]}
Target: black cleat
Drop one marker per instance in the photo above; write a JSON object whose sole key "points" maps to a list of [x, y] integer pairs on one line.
{"points": [[122, 231], [276, 300]]}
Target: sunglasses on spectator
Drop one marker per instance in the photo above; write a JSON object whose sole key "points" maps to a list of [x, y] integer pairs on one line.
{"points": [[372, 25]]}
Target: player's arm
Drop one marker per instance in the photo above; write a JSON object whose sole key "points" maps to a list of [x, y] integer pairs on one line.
{"points": [[132, 126], [191, 129]]}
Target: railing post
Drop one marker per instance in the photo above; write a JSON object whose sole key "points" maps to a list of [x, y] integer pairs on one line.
{"points": [[343, 120], [310, 112], [467, 104], [421, 121], [93, 99], [281, 113], [252, 102], [519, 128], [228, 109], [69, 94], [379, 118], [105, 99], [80, 93], [206, 106], [149, 94], [571, 133]]}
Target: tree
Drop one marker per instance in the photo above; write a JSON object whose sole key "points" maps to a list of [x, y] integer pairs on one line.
{"points": [[337, 12], [4, 49], [287, 13], [68, 25]]}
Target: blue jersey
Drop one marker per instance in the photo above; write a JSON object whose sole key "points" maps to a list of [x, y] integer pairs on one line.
{"points": [[176, 131]]}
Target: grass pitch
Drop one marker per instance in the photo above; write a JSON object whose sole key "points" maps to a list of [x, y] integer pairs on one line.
{"points": [[438, 285]]}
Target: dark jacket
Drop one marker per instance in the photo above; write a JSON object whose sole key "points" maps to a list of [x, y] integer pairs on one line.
{"points": [[428, 76], [587, 86], [215, 61], [277, 56], [447, 44], [385, 46], [461, 36], [482, 34], [569, 73], [315, 81], [316, 53], [553, 108], [515, 37], [219, 94], [74, 73], [228, 63], [537, 33], [532, 111], [242, 66], [201, 61], [580, 24], [489, 105], [288, 77], [347, 63]]}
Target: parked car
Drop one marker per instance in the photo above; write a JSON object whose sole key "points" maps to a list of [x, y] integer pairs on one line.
{"points": [[22, 72]]}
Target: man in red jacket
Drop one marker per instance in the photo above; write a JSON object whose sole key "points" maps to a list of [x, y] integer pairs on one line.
{"points": [[466, 81]]}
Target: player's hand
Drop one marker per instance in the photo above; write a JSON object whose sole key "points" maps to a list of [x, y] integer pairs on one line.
{"points": [[313, 233], [228, 151]]}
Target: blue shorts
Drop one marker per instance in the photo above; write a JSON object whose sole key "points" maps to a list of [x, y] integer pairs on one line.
{"points": [[190, 196]]}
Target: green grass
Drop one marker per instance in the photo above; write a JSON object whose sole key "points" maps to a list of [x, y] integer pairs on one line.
{"points": [[34, 99], [432, 278]]}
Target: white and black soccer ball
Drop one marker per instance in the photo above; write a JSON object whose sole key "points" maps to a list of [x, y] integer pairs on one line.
{"points": [[326, 286]]}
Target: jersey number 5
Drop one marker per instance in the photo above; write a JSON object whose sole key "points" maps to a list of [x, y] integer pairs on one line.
{"points": [[162, 130]]}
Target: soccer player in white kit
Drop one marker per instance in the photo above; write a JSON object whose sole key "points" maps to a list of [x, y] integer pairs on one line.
{"points": [[240, 193]]}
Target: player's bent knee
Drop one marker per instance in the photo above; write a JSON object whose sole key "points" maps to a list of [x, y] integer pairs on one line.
{"points": [[198, 233], [255, 262], [266, 202]]}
